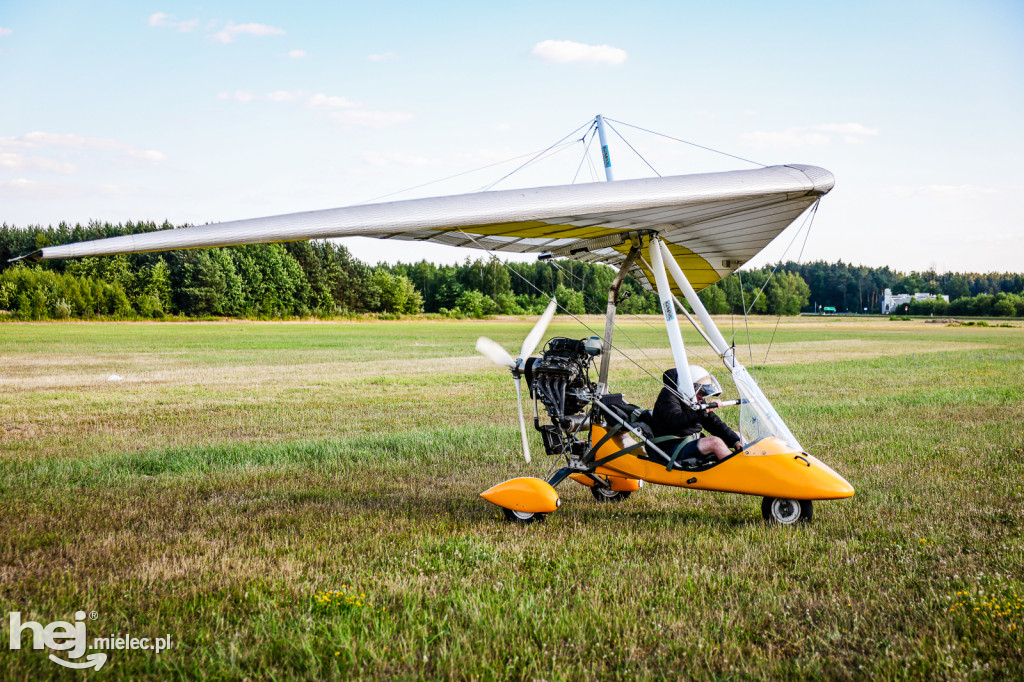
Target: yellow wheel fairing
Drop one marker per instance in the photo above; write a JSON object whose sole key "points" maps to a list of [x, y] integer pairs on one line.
{"points": [[527, 494]]}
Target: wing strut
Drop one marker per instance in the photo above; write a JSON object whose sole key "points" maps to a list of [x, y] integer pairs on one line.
{"points": [[710, 332], [684, 384]]}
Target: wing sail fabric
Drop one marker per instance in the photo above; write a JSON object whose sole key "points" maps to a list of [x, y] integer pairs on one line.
{"points": [[713, 222]]}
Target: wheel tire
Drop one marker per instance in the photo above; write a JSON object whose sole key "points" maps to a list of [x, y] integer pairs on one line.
{"points": [[603, 495], [786, 512], [523, 518]]}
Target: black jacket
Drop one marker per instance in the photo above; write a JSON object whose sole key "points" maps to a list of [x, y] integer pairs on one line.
{"points": [[672, 417]]}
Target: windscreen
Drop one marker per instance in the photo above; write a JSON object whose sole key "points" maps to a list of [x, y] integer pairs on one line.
{"points": [[758, 419]]}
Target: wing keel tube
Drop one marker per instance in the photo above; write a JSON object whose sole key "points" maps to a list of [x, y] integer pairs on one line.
{"points": [[526, 494]]}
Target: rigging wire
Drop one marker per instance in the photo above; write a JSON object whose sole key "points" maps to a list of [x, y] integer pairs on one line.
{"points": [[586, 152], [614, 326], [692, 144], [798, 259], [593, 169], [588, 125], [542, 157], [451, 177], [634, 150], [743, 300], [808, 215]]}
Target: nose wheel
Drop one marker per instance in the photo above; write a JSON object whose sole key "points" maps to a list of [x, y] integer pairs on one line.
{"points": [[513, 516], [786, 512]]}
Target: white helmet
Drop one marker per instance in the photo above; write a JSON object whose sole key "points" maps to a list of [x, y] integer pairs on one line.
{"points": [[703, 381]]}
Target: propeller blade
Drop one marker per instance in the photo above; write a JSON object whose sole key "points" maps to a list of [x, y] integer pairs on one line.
{"points": [[522, 420], [535, 335], [494, 352]]}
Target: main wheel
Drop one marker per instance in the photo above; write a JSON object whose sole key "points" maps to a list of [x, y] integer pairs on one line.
{"points": [[513, 516], [608, 495], [786, 512]]}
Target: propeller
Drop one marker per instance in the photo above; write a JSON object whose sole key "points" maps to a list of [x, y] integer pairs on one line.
{"points": [[499, 356]]}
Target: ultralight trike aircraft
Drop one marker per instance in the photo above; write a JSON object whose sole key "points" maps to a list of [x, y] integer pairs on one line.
{"points": [[695, 229]]}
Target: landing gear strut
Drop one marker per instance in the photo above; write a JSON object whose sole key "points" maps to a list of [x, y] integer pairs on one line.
{"points": [[602, 494]]}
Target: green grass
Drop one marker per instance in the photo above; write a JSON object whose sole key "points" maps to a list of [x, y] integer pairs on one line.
{"points": [[241, 470]]}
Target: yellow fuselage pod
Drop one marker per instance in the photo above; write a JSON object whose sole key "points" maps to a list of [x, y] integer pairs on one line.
{"points": [[767, 467], [531, 495]]}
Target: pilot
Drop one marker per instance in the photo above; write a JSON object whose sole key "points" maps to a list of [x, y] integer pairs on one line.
{"points": [[673, 417]]}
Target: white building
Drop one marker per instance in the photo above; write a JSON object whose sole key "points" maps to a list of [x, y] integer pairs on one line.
{"points": [[891, 304]]}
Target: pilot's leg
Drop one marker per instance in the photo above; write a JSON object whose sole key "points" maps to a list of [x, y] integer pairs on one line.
{"points": [[713, 445]]}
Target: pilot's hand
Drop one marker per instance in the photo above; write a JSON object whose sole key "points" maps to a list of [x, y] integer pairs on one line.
{"points": [[713, 404], [738, 446]]}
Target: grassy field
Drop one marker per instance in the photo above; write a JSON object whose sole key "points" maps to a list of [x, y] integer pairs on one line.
{"points": [[240, 473]]}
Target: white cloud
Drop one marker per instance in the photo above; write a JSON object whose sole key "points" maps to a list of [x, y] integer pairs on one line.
{"points": [[298, 54], [794, 137], [246, 96], [23, 187], [322, 101], [366, 118], [39, 140], [283, 96], [566, 51], [19, 162], [167, 20], [382, 57], [394, 159], [237, 95], [811, 136], [339, 109], [232, 30], [146, 155], [847, 129], [5, 31]]}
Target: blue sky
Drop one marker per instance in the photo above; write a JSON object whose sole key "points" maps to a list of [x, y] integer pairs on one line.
{"points": [[126, 110]]}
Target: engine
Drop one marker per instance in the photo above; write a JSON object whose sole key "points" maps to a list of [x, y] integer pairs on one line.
{"points": [[560, 380]]}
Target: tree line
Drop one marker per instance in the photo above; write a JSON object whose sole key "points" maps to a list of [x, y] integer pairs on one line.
{"points": [[320, 278]]}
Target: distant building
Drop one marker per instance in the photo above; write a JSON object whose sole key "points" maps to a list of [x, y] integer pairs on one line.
{"points": [[891, 304]]}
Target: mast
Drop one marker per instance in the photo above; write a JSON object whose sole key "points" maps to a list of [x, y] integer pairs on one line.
{"points": [[613, 292], [605, 154]]}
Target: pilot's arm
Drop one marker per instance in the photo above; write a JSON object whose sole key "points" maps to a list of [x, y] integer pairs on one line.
{"points": [[716, 427]]}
